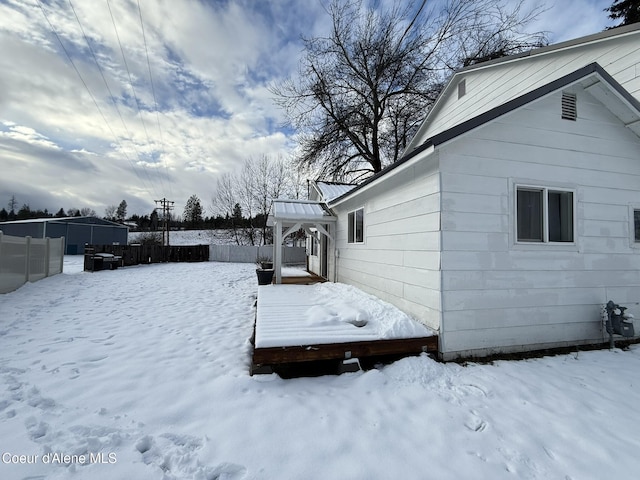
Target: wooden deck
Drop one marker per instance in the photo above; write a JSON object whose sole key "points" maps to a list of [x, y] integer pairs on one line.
{"points": [[303, 280], [267, 360], [288, 313]]}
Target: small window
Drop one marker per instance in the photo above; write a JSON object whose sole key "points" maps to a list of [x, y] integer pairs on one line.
{"points": [[530, 219], [355, 228], [560, 208], [544, 215], [462, 88], [636, 225]]}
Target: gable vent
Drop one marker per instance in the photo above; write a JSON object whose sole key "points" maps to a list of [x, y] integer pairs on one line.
{"points": [[462, 88], [569, 106]]}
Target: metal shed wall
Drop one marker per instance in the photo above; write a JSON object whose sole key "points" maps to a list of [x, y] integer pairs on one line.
{"points": [[77, 231]]}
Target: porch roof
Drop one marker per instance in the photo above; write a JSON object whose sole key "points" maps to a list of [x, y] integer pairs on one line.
{"points": [[300, 211], [292, 215]]}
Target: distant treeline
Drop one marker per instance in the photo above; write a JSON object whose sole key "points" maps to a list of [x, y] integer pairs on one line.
{"points": [[141, 222]]}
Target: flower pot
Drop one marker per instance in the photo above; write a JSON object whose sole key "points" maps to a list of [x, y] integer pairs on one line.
{"points": [[266, 265], [265, 277]]}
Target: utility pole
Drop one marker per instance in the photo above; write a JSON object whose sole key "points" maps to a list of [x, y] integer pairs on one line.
{"points": [[167, 206]]}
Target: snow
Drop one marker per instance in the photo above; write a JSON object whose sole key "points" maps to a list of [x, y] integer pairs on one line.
{"points": [[143, 372], [327, 313], [192, 237]]}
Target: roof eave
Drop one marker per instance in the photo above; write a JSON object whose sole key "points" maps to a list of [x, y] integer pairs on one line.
{"points": [[594, 38], [437, 140]]}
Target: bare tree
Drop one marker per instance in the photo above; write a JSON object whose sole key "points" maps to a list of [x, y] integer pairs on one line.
{"points": [[362, 91], [270, 181], [13, 204], [87, 212], [225, 200], [110, 212], [254, 188]]}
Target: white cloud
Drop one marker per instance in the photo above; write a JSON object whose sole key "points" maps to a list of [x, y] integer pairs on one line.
{"points": [[211, 65]]}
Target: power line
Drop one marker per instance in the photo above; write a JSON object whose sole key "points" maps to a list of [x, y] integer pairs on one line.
{"points": [[104, 118], [133, 90], [153, 91], [115, 104]]}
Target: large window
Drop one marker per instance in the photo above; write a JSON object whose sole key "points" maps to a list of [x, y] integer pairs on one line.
{"points": [[544, 215], [356, 226]]}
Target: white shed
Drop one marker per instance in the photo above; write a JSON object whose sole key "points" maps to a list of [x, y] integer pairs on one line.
{"points": [[515, 214]]}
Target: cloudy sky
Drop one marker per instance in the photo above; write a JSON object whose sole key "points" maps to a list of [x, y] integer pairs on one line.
{"points": [[137, 100]]}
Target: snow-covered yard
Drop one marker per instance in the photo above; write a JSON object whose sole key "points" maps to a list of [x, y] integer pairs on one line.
{"points": [[143, 373]]}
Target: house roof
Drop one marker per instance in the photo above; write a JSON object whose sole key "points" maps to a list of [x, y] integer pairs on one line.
{"points": [[592, 77], [596, 37], [332, 190], [490, 84], [300, 211]]}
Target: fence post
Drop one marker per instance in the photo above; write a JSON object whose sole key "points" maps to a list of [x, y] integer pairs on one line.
{"points": [[27, 261], [62, 247], [47, 256]]}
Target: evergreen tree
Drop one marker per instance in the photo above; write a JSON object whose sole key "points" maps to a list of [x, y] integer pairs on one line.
{"points": [[24, 212], [4, 215], [121, 212], [153, 220], [627, 10], [237, 214], [193, 212], [60, 213]]}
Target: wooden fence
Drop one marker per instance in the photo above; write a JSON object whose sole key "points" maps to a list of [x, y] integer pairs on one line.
{"points": [[142, 254]]}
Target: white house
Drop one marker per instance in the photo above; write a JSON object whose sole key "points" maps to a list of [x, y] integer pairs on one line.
{"points": [[514, 214]]}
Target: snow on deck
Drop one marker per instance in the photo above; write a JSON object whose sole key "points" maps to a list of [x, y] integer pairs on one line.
{"points": [[293, 315], [295, 272]]}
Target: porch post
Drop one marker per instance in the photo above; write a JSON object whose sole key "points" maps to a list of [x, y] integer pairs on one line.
{"points": [[277, 251]]}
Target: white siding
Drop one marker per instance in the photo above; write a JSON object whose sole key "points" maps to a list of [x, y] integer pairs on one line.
{"points": [[502, 296], [399, 260], [490, 87]]}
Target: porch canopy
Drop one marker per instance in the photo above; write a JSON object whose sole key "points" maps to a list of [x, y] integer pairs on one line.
{"points": [[289, 216]]}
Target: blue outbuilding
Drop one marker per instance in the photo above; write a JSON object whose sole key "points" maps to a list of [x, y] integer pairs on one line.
{"points": [[77, 231]]}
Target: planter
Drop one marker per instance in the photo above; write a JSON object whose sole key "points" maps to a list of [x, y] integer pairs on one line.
{"points": [[266, 265], [265, 277]]}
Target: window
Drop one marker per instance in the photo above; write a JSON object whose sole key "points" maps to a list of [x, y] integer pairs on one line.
{"points": [[636, 225], [355, 228], [544, 215]]}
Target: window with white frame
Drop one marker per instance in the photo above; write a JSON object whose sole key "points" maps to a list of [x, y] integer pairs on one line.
{"points": [[355, 228], [544, 214]]}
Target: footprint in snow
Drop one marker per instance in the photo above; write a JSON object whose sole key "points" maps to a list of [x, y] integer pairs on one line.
{"points": [[36, 429], [469, 389], [177, 457], [475, 423]]}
